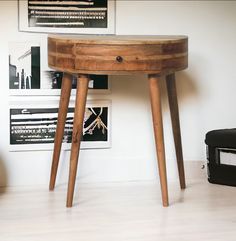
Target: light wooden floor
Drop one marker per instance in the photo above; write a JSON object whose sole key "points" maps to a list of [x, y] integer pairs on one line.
{"points": [[119, 211]]}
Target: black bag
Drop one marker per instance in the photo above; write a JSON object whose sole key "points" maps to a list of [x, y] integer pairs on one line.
{"points": [[221, 156]]}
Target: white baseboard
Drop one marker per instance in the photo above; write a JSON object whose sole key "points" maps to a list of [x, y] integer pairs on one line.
{"points": [[195, 169], [130, 173]]}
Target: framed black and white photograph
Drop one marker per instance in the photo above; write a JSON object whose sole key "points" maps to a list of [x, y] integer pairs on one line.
{"points": [[33, 126], [78, 16], [24, 66], [29, 73]]}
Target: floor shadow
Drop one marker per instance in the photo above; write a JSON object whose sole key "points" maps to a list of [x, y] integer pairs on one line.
{"points": [[135, 88], [186, 86]]}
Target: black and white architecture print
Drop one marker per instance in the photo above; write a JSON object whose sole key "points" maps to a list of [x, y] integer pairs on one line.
{"points": [[30, 75], [24, 66]]}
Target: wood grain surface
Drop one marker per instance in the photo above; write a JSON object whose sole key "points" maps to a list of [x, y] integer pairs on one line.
{"points": [[155, 97], [61, 120], [118, 55]]}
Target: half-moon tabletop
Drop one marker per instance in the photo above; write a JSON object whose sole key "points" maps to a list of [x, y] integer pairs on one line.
{"points": [[118, 54]]}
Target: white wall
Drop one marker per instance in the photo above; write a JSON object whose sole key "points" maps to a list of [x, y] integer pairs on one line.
{"points": [[206, 94]]}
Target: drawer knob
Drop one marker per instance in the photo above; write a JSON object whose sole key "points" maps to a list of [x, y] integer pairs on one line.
{"points": [[119, 59]]}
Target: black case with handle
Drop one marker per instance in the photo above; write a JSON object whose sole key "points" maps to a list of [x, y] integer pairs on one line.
{"points": [[221, 156]]}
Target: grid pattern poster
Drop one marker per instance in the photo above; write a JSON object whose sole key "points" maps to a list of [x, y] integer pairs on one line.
{"points": [[34, 128], [67, 16], [72, 14]]}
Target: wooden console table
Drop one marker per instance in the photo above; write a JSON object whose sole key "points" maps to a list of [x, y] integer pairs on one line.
{"points": [[155, 56]]}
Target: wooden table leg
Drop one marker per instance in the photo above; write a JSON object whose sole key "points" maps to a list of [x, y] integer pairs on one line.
{"points": [[62, 112], [154, 87], [81, 96], [174, 110]]}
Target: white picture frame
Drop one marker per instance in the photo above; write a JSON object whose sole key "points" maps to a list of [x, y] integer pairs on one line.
{"points": [[24, 21], [18, 123]]}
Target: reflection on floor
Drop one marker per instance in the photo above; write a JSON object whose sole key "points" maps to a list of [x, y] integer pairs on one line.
{"points": [[119, 212]]}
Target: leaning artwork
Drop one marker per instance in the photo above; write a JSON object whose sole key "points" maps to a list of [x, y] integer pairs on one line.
{"points": [[33, 126], [29, 73]]}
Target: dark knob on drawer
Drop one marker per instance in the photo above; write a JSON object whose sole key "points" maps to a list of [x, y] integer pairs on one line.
{"points": [[119, 59]]}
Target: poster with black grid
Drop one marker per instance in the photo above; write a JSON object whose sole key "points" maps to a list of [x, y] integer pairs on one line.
{"points": [[33, 128], [64, 16]]}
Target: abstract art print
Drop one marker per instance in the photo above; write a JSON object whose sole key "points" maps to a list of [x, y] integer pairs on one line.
{"points": [[24, 66], [29, 73], [64, 16], [33, 128]]}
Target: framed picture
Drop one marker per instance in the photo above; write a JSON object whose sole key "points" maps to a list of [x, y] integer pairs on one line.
{"points": [[29, 73], [33, 125], [76, 16], [24, 66]]}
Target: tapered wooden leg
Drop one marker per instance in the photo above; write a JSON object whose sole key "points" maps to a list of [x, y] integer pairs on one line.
{"points": [[63, 107], [154, 87], [174, 110], [81, 96]]}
